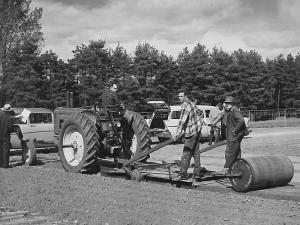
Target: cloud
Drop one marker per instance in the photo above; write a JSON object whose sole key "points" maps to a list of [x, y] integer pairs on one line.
{"points": [[170, 24], [285, 39], [277, 33], [90, 4]]}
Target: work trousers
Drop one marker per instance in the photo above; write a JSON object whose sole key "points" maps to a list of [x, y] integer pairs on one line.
{"points": [[191, 149], [232, 152], [214, 133], [4, 154]]}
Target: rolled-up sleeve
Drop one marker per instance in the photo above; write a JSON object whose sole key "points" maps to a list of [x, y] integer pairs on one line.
{"points": [[183, 117]]}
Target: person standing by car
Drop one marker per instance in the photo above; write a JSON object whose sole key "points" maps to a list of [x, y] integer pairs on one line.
{"points": [[215, 123], [235, 130], [189, 124], [6, 127], [8, 109]]}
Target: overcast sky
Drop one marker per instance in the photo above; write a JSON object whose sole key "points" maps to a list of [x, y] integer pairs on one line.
{"points": [[270, 27]]}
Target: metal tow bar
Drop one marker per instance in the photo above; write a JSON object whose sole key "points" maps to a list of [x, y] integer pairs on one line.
{"points": [[157, 147], [133, 168]]}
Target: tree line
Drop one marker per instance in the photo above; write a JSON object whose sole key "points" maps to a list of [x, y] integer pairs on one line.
{"points": [[30, 78]]}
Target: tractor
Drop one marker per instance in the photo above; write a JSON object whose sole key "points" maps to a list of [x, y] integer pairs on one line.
{"points": [[84, 135]]}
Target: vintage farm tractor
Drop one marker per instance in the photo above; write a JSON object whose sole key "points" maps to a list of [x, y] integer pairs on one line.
{"points": [[85, 134]]}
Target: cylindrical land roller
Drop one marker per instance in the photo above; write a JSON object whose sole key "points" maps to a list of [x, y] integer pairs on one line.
{"points": [[261, 172]]}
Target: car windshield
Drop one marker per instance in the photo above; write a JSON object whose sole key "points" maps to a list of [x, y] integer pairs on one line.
{"points": [[40, 118], [175, 115], [207, 113]]}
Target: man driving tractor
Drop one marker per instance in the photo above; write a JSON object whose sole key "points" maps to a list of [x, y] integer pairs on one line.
{"points": [[109, 97]]}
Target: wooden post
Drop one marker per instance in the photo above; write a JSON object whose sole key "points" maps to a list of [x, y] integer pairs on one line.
{"points": [[285, 117]]}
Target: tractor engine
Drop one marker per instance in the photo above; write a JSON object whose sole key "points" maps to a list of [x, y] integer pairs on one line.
{"points": [[111, 124]]}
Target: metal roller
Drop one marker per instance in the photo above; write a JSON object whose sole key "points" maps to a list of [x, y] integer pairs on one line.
{"points": [[261, 172]]}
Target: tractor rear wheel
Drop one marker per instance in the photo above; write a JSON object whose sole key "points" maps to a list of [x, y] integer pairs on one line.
{"points": [[79, 145], [136, 133]]}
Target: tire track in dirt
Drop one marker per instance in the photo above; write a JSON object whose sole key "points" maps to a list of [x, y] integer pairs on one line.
{"points": [[11, 217]]}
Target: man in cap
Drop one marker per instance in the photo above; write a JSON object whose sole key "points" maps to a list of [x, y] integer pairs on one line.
{"points": [[235, 129], [6, 127], [8, 109]]}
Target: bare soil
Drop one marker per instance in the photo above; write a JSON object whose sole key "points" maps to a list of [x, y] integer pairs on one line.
{"points": [[67, 198]]}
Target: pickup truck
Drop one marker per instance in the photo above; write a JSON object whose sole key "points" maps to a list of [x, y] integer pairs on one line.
{"points": [[35, 124]]}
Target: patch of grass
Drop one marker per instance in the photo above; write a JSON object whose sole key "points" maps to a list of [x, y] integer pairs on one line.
{"points": [[288, 122]]}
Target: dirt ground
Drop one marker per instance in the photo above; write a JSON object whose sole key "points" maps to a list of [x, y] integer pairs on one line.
{"points": [[66, 198]]}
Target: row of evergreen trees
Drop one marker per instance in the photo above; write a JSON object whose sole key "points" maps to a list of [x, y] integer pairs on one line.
{"points": [[32, 79]]}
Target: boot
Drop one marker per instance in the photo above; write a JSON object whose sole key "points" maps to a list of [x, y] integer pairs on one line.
{"points": [[181, 176]]}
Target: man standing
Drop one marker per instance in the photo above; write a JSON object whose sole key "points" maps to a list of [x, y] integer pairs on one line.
{"points": [[215, 123], [235, 129], [190, 124], [6, 127]]}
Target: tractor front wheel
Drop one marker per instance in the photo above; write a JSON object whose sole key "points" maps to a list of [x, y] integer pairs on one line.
{"points": [[78, 144]]}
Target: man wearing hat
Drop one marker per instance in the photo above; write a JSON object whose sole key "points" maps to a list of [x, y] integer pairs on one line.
{"points": [[6, 127], [235, 129], [8, 109]]}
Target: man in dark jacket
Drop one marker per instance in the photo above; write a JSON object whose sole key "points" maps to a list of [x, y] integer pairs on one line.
{"points": [[235, 129], [109, 97], [6, 127]]}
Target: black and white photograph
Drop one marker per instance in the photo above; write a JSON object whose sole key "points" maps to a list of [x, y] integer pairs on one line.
{"points": [[148, 112]]}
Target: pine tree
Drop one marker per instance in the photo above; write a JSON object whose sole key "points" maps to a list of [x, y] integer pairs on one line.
{"points": [[22, 80], [91, 67], [193, 69]]}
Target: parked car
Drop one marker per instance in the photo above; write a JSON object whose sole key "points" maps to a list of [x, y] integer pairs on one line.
{"points": [[35, 124]]}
